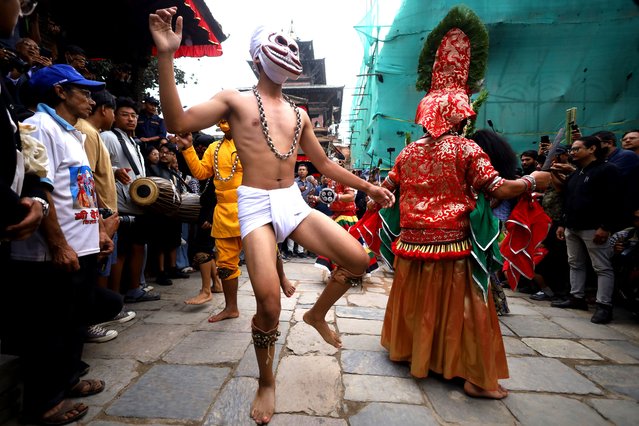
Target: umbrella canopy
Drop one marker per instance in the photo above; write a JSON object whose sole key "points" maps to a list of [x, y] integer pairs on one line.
{"points": [[120, 31]]}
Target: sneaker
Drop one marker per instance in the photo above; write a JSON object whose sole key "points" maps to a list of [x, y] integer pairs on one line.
{"points": [[187, 270], [146, 287], [540, 295], [122, 317], [98, 334], [141, 296]]}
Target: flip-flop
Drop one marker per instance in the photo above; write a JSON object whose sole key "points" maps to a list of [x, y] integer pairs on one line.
{"points": [[63, 416], [86, 387]]}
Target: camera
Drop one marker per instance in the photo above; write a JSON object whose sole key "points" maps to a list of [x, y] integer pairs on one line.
{"points": [[105, 213], [127, 219], [13, 61]]}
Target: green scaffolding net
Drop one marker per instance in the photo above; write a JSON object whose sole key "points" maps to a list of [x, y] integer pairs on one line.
{"points": [[544, 58]]}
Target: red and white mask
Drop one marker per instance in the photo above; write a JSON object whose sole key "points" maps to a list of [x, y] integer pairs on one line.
{"points": [[278, 54]]}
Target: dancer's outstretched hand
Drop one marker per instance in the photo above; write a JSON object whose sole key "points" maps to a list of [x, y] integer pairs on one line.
{"points": [[381, 196], [160, 25]]}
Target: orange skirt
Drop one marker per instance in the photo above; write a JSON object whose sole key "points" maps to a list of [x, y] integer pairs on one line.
{"points": [[436, 319]]}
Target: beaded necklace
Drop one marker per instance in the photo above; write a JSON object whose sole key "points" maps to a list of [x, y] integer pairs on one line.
{"points": [[269, 141], [218, 176]]}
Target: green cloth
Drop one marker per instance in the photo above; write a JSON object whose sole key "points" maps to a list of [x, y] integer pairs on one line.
{"points": [[486, 258], [389, 231]]}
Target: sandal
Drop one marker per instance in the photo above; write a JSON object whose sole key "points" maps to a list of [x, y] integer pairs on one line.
{"points": [[67, 412], [86, 388]]}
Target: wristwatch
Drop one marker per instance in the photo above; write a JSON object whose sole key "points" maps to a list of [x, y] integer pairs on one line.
{"points": [[45, 205]]}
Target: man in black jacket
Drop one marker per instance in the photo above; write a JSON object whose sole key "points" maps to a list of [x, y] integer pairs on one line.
{"points": [[592, 201]]}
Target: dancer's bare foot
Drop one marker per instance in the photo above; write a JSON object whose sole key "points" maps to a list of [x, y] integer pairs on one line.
{"points": [[331, 337], [287, 287], [477, 392], [264, 404], [224, 314], [200, 299]]}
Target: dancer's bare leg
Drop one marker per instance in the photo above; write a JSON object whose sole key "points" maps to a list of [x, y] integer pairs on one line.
{"points": [[231, 309], [477, 392], [205, 291], [259, 247], [287, 286], [217, 284], [347, 252], [263, 405]]}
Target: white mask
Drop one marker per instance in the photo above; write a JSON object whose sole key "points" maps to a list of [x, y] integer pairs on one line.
{"points": [[277, 53]]}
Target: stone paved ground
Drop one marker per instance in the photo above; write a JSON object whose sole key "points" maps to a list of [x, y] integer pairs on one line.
{"points": [[169, 366]]}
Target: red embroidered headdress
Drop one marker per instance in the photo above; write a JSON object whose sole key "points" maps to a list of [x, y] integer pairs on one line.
{"points": [[451, 66]]}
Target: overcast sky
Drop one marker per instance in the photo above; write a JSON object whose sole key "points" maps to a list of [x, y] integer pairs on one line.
{"points": [[329, 24]]}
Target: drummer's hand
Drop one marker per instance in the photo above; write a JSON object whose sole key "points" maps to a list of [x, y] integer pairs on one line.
{"points": [[122, 175], [160, 24], [183, 141]]}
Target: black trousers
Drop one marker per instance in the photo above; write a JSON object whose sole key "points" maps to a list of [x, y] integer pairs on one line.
{"points": [[44, 313]]}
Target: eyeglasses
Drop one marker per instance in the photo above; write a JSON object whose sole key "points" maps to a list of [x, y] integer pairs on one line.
{"points": [[575, 148], [167, 153], [84, 92], [128, 115]]}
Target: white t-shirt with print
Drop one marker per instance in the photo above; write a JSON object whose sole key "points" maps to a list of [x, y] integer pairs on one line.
{"points": [[73, 193]]}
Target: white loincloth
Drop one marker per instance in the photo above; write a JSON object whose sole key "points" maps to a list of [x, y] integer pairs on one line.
{"points": [[284, 208]]}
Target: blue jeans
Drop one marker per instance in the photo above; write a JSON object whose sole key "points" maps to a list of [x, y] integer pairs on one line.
{"points": [[182, 260]]}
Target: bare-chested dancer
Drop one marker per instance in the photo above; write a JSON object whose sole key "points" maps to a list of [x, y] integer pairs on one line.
{"points": [[267, 128], [221, 163]]}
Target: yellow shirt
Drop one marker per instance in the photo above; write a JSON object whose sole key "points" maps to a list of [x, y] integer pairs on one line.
{"points": [[225, 221]]}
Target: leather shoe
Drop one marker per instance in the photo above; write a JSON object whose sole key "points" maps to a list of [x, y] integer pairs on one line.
{"points": [[603, 314], [572, 302]]}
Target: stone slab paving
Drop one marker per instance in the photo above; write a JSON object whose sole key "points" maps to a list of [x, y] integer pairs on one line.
{"points": [[298, 420], [583, 328], [372, 300], [534, 326], [560, 348], [619, 351], [362, 342], [360, 312], [144, 342], [544, 410], [380, 413], [521, 309], [618, 411], [451, 404], [538, 374], [232, 406], [515, 346], [616, 378], [170, 366], [209, 347], [171, 392], [372, 363], [309, 384], [358, 326], [381, 389], [303, 339]]}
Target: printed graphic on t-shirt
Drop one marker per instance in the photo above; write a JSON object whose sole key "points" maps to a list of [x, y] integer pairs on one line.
{"points": [[82, 187]]}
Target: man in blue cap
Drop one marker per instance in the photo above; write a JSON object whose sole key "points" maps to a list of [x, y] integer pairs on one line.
{"points": [[53, 313]]}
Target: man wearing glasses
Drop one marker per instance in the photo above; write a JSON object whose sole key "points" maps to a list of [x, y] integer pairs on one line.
{"points": [[128, 165]]}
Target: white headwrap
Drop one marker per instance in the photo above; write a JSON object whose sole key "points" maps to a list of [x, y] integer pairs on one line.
{"points": [[278, 54]]}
